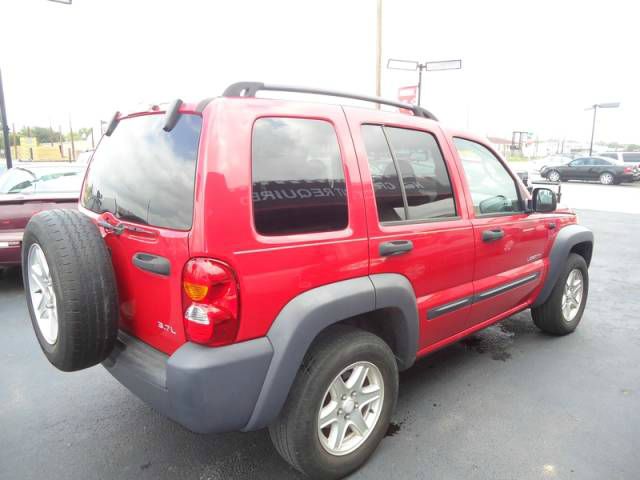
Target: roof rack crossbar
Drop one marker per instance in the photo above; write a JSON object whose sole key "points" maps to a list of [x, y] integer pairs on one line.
{"points": [[249, 89]]}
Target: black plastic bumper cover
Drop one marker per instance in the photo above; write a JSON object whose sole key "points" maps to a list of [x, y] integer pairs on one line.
{"points": [[207, 390]]}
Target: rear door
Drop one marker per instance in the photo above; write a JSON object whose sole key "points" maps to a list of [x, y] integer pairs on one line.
{"points": [[140, 188], [510, 244], [598, 166], [416, 216]]}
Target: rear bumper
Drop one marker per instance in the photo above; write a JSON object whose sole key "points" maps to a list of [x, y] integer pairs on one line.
{"points": [[207, 390], [627, 178]]}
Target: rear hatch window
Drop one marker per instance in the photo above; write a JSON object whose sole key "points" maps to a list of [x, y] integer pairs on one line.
{"points": [[145, 175]]}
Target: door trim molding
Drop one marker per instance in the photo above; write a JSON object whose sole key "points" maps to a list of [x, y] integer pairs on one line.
{"points": [[483, 295]]}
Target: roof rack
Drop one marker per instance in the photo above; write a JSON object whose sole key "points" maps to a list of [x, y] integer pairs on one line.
{"points": [[249, 89]]}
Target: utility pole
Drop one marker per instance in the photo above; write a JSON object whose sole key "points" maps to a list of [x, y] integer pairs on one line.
{"points": [[379, 50], [15, 141], [5, 126], [73, 146]]}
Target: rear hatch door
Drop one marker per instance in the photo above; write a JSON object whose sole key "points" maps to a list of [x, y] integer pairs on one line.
{"points": [[140, 190]]}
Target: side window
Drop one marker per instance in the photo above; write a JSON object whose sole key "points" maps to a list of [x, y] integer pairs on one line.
{"points": [[609, 155], [631, 157], [579, 162], [298, 178], [493, 189], [409, 174]]}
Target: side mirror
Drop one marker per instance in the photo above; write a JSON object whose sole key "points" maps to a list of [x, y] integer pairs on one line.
{"points": [[544, 200]]}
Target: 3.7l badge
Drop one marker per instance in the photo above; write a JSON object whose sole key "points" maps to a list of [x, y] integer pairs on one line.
{"points": [[166, 327]]}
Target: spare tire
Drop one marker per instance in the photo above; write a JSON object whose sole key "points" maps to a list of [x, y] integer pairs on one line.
{"points": [[71, 289]]}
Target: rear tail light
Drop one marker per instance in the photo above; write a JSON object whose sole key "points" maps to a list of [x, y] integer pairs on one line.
{"points": [[628, 170], [210, 301]]}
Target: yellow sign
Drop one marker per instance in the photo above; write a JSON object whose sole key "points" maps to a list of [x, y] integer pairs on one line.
{"points": [[28, 142]]}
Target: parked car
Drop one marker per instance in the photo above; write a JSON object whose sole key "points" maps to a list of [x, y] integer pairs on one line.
{"points": [[30, 188], [605, 170], [626, 157], [245, 262]]}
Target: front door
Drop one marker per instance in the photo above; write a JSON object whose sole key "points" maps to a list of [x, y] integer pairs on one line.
{"points": [[416, 217], [578, 169], [510, 243]]}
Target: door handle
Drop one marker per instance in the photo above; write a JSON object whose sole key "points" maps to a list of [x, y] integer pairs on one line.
{"points": [[395, 247], [492, 235], [152, 263]]}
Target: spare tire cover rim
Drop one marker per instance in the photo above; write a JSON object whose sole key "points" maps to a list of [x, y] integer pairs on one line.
{"points": [[42, 295]]}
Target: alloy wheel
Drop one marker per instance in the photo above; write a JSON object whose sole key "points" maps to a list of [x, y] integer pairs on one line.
{"points": [[350, 408], [606, 178], [572, 295], [42, 295]]}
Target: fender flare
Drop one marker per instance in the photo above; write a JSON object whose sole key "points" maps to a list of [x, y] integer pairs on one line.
{"points": [[305, 316], [567, 238]]}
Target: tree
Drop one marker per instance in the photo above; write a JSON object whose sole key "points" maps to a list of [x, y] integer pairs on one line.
{"points": [[632, 147], [42, 134]]}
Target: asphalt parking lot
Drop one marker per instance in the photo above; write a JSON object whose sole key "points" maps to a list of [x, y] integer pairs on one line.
{"points": [[507, 403]]}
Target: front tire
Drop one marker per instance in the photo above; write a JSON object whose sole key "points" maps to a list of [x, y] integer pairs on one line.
{"points": [[340, 405], [562, 311], [554, 176]]}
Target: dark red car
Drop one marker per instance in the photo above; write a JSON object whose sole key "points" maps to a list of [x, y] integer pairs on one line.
{"points": [[27, 189], [247, 262]]}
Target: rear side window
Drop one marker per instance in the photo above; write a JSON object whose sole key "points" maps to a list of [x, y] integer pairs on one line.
{"points": [[146, 175], [409, 175], [386, 183], [631, 157], [298, 178], [610, 155]]}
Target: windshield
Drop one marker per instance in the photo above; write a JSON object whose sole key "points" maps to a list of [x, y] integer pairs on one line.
{"points": [[146, 175], [27, 180]]}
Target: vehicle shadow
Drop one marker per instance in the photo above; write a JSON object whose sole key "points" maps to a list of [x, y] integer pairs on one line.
{"points": [[251, 455], [11, 279]]}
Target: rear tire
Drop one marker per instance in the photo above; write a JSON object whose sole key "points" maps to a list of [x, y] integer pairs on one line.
{"points": [[607, 178], [562, 311], [71, 289], [295, 434]]}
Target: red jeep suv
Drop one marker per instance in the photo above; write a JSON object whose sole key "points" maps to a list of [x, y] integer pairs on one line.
{"points": [[245, 262]]}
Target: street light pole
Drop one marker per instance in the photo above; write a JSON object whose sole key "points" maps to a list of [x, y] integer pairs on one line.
{"points": [[412, 65], [5, 126], [593, 129], [595, 107], [419, 83]]}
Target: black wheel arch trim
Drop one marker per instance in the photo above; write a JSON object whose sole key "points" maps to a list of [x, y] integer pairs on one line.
{"points": [[567, 238], [305, 316]]}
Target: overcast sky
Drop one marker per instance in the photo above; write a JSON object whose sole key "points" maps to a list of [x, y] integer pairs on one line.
{"points": [[530, 66]]}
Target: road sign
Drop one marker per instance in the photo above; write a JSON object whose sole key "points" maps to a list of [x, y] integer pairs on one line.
{"points": [[408, 94]]}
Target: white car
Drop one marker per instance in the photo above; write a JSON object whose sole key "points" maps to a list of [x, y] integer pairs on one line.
{"points": [[549, 161], [626, 157]]}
